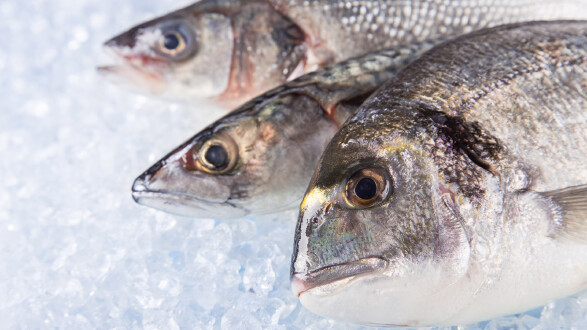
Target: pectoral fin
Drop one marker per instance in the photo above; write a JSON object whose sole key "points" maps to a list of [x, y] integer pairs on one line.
{"points": [[570, 207]]}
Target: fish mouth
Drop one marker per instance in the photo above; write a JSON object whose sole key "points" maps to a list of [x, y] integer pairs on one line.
{"points": [[136, 71], [134, 78], [184, 204], [143, 59], [336, 275]]}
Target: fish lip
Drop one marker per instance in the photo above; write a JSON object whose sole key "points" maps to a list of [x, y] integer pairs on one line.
{"points": [[136, 62], [196, 207], [303, 282], [140, 189], [131, 60], [163, 194], [135, 77]]}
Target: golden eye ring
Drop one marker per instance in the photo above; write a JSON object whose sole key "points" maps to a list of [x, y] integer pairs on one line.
{"points": [[367, 187], [218, 155], [172, 43]]}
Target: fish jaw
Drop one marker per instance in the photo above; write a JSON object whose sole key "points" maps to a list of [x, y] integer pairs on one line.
{"points": [[133, 78], [161, 187], [185, 205], [336, 275], [384, 294]]}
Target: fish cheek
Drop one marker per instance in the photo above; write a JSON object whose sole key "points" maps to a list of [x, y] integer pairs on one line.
{"points": [[282, 164], [406, 220], [430, 227], [251, 182], [206, 72], [343, 239]]}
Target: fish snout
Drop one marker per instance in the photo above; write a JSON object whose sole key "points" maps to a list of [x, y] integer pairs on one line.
{"points": [[138, 187], [141, 184], [169, 187]]}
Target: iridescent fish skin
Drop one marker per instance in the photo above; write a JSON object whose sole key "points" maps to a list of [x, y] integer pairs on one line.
{"points": [[231, 50], [260, 157], [458, 192]]}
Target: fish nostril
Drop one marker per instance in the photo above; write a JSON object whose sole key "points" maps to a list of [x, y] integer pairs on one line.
{"points": [[327, 209], [316, 219]]}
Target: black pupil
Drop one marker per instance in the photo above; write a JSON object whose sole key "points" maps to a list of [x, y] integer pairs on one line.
{"points": [[216, 155], [366, 188], [171, 41]]}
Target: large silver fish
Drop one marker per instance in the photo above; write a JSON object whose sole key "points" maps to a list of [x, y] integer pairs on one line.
{"points": [[260, 157], [232, 50], [457, 193]]}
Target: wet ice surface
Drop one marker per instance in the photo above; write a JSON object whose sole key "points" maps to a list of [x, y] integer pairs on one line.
{"points": [[75, 251]]}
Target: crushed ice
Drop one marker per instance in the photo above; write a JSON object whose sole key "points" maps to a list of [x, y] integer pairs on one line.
{"points": [[75, 251]]}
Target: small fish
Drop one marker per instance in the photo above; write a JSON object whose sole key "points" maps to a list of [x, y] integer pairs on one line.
{"points": [[458, 191], [260, 157], [231, 50]]}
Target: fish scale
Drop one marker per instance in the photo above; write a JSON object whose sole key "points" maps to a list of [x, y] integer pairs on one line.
{"points": [[372, 24]]}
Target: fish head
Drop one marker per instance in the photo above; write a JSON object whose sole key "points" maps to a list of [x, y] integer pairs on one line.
{"points": [[378, 239], [206, 51], [252, 161], [176, 56]]}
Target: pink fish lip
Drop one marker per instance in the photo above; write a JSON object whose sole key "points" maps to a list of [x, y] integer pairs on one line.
{"points": [[174, 202], [145, 61], [139, 72], [140, 62], [303, 282]]}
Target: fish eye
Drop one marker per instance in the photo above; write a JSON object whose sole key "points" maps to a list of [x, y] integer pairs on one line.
{"points": [[172, 40], [218, 155], [176, 41], [367, 187], [172, 43]]}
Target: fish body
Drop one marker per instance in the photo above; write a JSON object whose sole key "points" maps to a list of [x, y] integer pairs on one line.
{"points": [[458, 192], [260, 157], [231, 50]]}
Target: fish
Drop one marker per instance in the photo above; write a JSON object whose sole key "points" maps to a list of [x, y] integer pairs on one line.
{"points": [[228, 51], [458, 191], [260, 157]]}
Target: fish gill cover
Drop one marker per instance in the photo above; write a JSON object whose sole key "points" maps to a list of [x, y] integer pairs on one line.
{"points": [[75, 251]]}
